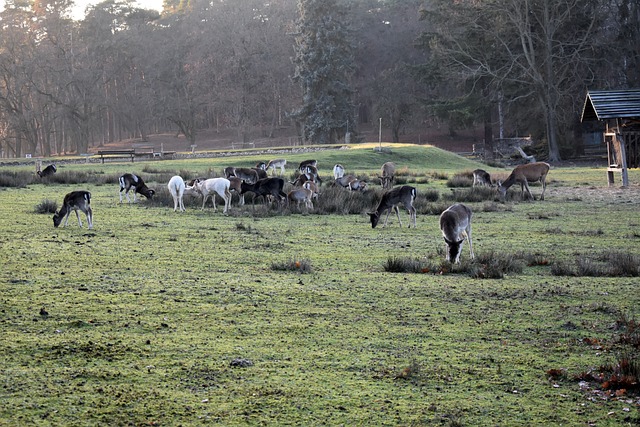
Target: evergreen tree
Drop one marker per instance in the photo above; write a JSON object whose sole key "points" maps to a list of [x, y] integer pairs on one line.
{"points": [[324, 66]]}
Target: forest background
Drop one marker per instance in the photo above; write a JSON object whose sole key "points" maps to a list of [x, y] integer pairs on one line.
{"points": [[312, 70]]}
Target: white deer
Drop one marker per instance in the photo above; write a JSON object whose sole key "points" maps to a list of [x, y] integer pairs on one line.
{"points": [[390, 201], [523, 174], [75, 201], [176, 188], [338, 171], [211, 187], [388, 172], [455, 224]]}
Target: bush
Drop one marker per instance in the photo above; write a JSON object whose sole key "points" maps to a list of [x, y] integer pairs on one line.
{"points": [[614, 264], [302, 266], [473, 195], [16, 179], [463, 179], [46, 207]]}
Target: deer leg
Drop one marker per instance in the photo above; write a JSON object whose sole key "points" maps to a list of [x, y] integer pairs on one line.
{"points": [[78, 216], [398, 215], [89, 214], [469, 238], [387, 217]]}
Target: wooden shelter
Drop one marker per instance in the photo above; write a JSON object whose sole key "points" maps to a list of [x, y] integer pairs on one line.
{"points": [[620, 112]]}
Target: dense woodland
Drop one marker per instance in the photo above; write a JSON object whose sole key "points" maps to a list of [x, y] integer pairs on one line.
{"points": [[321, 68]]}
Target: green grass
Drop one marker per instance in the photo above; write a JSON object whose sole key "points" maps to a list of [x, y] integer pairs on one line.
{"points": [[160, 318]]}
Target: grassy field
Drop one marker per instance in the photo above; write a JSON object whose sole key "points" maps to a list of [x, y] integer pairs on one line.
{"points": [[162, 318]]}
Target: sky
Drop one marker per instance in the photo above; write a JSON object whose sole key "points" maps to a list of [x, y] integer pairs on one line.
{"points": [[80, 6]]}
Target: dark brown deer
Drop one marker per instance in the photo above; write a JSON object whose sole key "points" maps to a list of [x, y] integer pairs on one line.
{"points": [[75, 201], [129, 181], [48, 171], [390, 201]]}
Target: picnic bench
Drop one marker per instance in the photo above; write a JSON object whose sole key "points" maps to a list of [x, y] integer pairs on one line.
{"points": [[116, 153]]}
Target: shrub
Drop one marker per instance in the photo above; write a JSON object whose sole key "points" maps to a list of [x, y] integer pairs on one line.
{"points": [[337, 200], [302, 266], [46, 207], [462, 179], [16, 179], [614, 264], [473, 195]]}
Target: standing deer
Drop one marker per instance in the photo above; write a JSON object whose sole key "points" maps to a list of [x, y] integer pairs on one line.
{"points": [[75, 201], [388, 172], [275, 164], [455, 224], [390, 201], [211, 187], [176, 187], [523, 174], [338, 171]]}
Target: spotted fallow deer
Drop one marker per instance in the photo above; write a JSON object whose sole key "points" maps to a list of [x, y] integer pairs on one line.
{"points": [[455, 224], [524, 174], [390, 201]]}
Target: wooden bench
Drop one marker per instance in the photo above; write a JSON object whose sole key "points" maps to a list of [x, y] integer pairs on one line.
{"points": [[116, 153]]}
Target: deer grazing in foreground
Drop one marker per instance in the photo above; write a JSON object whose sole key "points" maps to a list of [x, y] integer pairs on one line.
{"points": [[481, 178], [390, 201], [455, 224], [524, 174], [129, 181], [74, 201], [388, 172]]}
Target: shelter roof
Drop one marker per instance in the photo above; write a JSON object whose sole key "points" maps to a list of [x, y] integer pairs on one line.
{"points": [[611, 104]]}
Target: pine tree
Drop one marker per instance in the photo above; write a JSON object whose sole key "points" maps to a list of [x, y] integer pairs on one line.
{"points": [[324, 66]]}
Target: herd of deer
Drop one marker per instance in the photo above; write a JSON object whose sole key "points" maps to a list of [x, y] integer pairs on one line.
{"points": [[455, 222]]}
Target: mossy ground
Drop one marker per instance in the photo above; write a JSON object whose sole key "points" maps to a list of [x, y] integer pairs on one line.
{"points": [[160, 318]]}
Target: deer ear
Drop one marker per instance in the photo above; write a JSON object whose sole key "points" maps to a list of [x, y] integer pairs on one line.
{"points": [[499, 183]]}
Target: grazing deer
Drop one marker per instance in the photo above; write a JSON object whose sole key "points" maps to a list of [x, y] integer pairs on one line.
{"points": [[523, 174], [390, 201], [455, 223], [49, 170], [276, 163], [481, 178], [388, 172], [236, 187], [176, 188], [338, 171], [300, 195], [246, 174], [265, 187], [129, 181], [74, 201]]}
